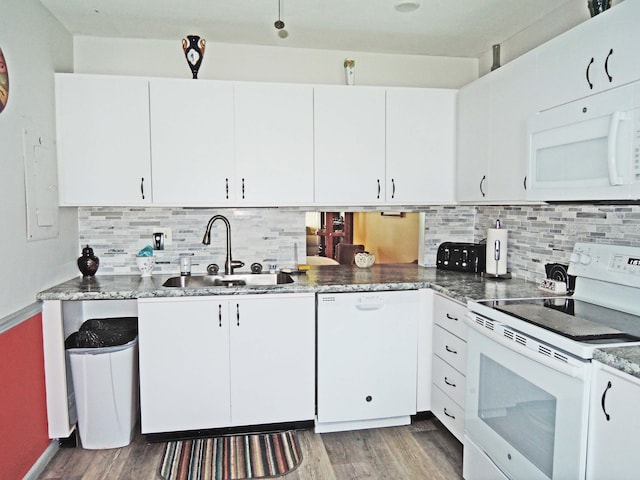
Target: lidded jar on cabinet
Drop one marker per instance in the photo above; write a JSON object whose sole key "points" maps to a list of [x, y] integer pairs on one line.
{"points": [[88, 263]]}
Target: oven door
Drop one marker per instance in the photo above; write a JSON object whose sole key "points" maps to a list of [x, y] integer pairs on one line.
{"points": [[526, 414]]}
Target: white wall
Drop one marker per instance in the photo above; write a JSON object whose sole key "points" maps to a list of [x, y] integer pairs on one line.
{"points": [[268, 64], [34, 46]]}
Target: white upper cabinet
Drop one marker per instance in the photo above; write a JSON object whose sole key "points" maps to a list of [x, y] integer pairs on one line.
{"points": [[349, 126], [103, 140], [472, 162], [512, 103], [420, 150], [192, 142], [273, 144], [492, 134], [598, 54]]}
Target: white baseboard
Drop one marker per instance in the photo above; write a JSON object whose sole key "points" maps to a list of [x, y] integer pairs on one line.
{"points": [[42, 462]]}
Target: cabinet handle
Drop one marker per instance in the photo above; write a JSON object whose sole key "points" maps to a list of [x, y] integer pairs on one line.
{"points": [[368, 398], [378, 197], [604, 396], [238, 314], [452, 317], [448, 414], [142, 187], [226, 187], [484, 177], [243, 188], [606, 66], [524, 182], [450, 350], [446, 380], [219, 315], [393, 188], [587, 73]]}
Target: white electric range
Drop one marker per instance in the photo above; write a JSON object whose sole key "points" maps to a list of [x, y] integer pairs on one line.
{"points": [[529, 367]]}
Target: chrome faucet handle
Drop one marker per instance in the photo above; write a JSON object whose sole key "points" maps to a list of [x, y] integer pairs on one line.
{"points": [[235, 264]]}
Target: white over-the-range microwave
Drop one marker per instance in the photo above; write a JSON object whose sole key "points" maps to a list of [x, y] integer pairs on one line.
{"points": [[587, 150]]}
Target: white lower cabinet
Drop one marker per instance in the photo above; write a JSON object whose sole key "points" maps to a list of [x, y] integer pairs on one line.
{"points": [[367, 355], [613, 425], [449, 363], [210, 362]]}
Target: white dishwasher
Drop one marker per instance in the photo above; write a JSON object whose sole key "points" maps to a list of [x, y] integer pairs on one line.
{"points": [[367, 357]]}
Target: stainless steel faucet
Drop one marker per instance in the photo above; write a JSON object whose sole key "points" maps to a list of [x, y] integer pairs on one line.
{"points": [[229, 264]]}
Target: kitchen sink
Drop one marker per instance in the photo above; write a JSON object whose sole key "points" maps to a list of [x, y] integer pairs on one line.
{"points": [[235, 280]]}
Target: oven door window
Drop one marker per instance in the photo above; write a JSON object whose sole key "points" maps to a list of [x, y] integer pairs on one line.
{"points": [[527, 411], [511, 405]]}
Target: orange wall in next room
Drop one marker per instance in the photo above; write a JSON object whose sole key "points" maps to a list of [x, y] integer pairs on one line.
{"points": [[23, 417]]}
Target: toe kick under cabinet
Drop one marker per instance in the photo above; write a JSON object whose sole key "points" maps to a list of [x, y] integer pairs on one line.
{"points": [[226, 361], [449, 363], [367, 356]]}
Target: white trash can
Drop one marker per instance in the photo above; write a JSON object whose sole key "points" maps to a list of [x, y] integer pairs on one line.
{"points": [[105, 382]]}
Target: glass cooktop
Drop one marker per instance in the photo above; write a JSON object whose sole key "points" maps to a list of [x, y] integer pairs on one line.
{"points": [[575, 319]]}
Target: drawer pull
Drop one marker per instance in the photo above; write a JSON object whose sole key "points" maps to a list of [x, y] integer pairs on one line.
{"points": [[450, 350], [452, 318], [448, 414], [446, 380]]}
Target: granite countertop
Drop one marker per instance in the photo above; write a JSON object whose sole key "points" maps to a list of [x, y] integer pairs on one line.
{"points": [[335, 279], [625, 359], [319, 279]]}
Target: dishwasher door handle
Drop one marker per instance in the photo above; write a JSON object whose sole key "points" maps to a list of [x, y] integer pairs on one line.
{"points": [[370, 306]]}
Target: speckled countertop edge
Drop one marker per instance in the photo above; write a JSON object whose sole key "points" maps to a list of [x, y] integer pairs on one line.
{"points": [[625, 359], [322, 279], [458, 286]]}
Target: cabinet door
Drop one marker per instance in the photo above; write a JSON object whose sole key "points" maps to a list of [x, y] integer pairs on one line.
{"points": [[184, 364], [512, 103], [272, 359], [613, 425], [420, 156], [103, 140], [274, 144], [191, 142], [569, 66], [349, 127], [619, 50], [473, 142]]}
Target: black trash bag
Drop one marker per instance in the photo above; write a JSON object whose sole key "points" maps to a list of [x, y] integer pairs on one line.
{"points": [[103, 332]]}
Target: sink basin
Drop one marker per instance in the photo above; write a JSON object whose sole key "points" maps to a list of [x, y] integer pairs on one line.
{"points": [[235, 280]]}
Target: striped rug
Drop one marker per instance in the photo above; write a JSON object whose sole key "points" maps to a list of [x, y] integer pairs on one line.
{"points": [[231, 458]]}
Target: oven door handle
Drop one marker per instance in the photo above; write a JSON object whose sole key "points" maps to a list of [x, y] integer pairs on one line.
{"points": [[575, 372]]}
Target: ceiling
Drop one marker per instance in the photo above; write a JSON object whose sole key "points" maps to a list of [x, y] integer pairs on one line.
{"points": [[458, 28]]}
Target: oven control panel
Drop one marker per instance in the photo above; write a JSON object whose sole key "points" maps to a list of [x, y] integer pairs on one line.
{"points": [[610, 263]]}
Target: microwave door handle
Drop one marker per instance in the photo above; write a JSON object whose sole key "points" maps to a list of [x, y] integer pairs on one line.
{"points": [[612, 150]]}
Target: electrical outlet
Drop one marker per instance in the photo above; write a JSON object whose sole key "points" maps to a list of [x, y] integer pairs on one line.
{"points": [[168, 237]]}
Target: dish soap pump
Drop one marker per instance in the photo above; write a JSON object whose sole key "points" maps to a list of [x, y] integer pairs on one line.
{"points": [[88, 263]]}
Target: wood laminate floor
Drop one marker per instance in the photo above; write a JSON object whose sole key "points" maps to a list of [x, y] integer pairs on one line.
{"points": [[422, 450]]}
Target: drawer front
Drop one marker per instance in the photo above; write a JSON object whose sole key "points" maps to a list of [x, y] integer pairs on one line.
{"points": [[449, 380], [448, 412], [450, 315], [450, 348]]}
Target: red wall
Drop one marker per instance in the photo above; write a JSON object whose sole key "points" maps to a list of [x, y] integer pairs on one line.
{"points": [[23, 416]]}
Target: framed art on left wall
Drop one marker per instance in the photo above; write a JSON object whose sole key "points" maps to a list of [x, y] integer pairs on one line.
{"points": [[4, 82]]}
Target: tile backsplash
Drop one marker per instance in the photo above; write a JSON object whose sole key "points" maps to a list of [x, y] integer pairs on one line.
{"points": [[538, 234], [117, 234]]}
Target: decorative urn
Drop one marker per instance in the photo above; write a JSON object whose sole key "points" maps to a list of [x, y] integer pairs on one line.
{"points": [[88, 263]]}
